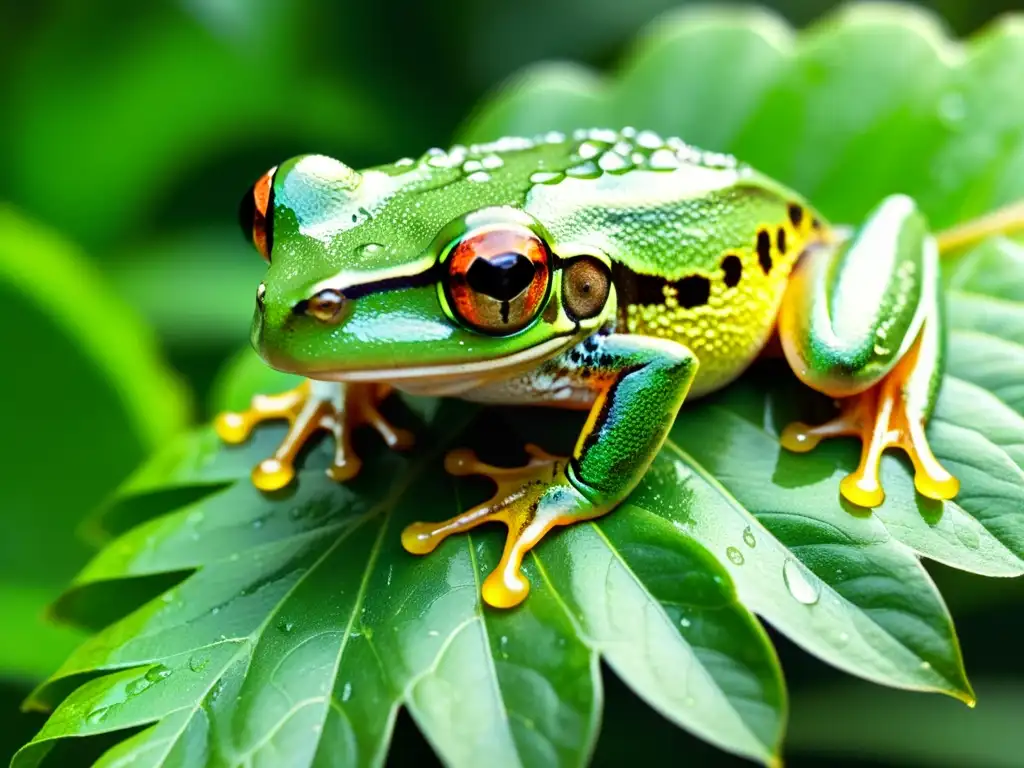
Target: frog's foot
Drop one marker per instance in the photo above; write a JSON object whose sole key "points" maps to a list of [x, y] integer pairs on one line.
{"points": [[529, 500], [310, 407], [881, 418]]}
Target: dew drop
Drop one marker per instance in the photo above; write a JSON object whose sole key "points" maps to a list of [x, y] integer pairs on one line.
{"points": [[346, 692], [748, 537], [490, 162], [663, 160], [158, 673], [734, 555], [433, 633], [799, 585], [546, 177], [135, 687], [97, 716], [479, 176], [405, 162], [925, 665], [612, 162], [369, 249], [588, 151], [198, 663], [684, 623], [649, 140], [286, 626]]}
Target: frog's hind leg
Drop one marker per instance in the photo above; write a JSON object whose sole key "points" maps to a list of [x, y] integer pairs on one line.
{"points": [[862, 322], [891, 414], [309, 408]]}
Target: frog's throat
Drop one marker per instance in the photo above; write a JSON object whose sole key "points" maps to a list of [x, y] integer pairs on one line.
{"points": [[453, 378]]}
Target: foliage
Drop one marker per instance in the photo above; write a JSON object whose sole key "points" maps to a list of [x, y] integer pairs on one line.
{"points": [[233, 626], [73, 340]]}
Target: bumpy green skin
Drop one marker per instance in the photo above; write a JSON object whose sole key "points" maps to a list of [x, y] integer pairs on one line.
{"points": [[701, 252]]}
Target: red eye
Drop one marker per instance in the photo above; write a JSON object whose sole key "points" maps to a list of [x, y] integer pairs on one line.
{"points": [[256, 214], [497, 280]]}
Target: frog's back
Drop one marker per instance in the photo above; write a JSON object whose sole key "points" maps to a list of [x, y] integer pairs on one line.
{"points": [[703, 246]]}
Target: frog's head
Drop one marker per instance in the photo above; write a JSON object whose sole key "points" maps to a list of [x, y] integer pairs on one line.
{"points": [[418, 272]]}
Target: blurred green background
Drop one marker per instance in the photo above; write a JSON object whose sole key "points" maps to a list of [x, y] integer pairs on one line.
{"points": [[129, 131]]}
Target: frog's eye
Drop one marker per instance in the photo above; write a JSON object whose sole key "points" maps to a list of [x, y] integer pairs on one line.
{"points": [[256, 214], [497, 280]]}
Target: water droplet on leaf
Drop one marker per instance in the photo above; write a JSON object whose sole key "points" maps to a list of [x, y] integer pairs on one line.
{"points": [[799, 584]]}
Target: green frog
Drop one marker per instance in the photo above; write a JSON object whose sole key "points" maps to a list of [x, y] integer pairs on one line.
{"points": [[613, 272]]}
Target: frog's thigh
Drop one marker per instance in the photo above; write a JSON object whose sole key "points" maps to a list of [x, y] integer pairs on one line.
{"points": [[640, 383], [862, 322]]}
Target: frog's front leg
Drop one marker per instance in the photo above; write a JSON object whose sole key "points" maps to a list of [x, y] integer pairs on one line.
{"points": [[312, 406], [639, 384], [862, 322]]}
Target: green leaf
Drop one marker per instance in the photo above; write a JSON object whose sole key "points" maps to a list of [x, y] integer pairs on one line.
{"points": [[290, 628], [69, 342]]}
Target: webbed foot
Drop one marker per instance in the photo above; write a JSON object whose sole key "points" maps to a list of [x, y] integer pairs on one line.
{"points": [[884, 416], [529, 500], [310, 407]]}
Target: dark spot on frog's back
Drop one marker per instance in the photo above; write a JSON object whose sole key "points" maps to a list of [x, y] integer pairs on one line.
{"points": [[693, 291], [780, 240], [796, 214], [733, 269], [764, 250]]}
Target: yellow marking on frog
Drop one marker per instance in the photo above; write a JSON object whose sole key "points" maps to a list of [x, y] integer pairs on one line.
{"points": [[731, 328]]}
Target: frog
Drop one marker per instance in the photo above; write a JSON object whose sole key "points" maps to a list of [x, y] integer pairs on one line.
{"points": [[609, 271]]}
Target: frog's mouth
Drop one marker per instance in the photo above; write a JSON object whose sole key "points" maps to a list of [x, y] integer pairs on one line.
{"points": [[453, 378]]}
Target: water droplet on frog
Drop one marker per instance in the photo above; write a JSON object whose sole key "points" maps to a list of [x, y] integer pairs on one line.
{"points": [[799, 585], [840, 639], [546, 177], [490, 162], [479, 176], [369, 249], [734, 555], [470, 166], [158, 673], [663, 160], [612, 162], [588, 150], [952, 108], [97, 716], [649, 140], [748, 537], [554, 137], [405, 162], [587, 170]]}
